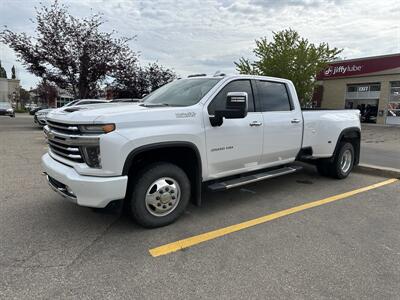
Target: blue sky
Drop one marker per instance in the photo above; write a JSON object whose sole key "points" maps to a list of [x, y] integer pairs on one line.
{"points": [[194, 36]]}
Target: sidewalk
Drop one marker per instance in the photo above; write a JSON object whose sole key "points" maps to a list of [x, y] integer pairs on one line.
{"points": [[380, 146]]}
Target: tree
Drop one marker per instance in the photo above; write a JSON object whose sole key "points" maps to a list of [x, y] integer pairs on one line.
{"points": [[70, 52], [136, 82], [47, 92], [24, 96], [290, 56], [157, 76]]}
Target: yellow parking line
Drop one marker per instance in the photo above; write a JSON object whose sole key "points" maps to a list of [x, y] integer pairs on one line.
{"points": [[194, 240]]}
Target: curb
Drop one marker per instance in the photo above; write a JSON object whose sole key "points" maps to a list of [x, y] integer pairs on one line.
{"points": [[377, 170], [380, 125]]}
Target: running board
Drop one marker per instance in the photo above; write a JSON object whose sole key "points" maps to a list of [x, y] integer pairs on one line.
{"points": [[225, 185]]}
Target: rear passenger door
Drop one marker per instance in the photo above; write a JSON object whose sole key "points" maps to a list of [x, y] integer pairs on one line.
{"points": [[283, 123]]}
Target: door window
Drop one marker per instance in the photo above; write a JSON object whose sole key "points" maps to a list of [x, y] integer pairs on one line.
{"points": [[273, 96], [219, 102]]}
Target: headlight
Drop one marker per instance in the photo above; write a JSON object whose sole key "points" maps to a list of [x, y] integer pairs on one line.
{"points": [[10, 110], [101, 128], [91, 153], [92, 156]]}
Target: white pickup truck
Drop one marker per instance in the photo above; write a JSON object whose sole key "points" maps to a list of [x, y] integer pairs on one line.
{"points": [[216, 132]]}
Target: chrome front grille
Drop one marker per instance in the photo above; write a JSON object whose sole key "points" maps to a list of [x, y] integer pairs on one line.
{"points": [[67, 141], [70, 152], [64, 128]]}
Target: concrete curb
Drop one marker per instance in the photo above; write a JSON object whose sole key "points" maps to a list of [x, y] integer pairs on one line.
{"points": [[378, 170]]}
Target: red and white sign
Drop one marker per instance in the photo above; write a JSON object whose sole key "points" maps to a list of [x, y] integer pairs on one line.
{"points": [[360, 67]]}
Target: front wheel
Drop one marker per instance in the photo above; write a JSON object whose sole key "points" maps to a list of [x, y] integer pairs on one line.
{"points": [[160, 195]]}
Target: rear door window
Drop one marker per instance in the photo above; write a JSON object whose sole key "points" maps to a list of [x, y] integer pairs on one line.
{"points": [[273, 96]]}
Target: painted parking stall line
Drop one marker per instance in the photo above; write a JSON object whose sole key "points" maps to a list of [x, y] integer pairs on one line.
{"points": [[201, 238]]}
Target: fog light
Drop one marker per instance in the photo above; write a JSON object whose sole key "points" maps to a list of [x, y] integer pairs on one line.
{"points": [[69, 191]]}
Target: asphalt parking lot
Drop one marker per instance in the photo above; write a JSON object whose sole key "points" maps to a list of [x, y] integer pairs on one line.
{"points": [[50, 248]]}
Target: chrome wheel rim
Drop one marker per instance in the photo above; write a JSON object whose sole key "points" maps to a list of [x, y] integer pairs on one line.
{"points": [[346, 160], [163, 196]]}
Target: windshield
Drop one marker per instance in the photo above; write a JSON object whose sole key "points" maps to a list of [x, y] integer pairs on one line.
{"points": [[183, 92], [5, 105]]}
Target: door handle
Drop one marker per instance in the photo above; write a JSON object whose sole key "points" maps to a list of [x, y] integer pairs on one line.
{"points": [[255, 123], [295, 121]]}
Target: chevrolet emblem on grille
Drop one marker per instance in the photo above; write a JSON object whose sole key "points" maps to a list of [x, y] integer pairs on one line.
{"points": [[50, 135]]}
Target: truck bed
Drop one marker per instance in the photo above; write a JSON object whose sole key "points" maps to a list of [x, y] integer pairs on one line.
{"points": [[323, 127]]}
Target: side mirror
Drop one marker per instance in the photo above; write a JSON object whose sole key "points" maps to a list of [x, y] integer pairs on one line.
{"points": [[236, 108]]}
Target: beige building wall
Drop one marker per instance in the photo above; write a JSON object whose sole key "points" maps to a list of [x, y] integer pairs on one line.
{"points": [[334, 91], [7, 88], [3, 90]]}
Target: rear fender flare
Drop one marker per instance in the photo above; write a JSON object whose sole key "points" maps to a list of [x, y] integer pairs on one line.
{"points": [[352, 132]]}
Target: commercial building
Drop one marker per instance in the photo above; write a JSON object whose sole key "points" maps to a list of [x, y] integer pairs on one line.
{"points": [[370, 84], [55, 99], [9, 88]]}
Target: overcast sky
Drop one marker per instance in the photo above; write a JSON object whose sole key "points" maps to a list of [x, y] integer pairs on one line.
{"points": [[200, 36]]}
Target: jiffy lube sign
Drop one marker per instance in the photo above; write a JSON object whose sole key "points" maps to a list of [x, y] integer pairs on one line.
{"points": [[343, 69], [360, 67]]}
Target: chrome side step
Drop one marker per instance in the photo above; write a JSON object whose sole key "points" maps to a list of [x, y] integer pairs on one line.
{"points": [[225, 185]]}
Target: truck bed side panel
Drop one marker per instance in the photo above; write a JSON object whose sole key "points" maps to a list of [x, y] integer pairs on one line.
{"points": [[322, 129]]}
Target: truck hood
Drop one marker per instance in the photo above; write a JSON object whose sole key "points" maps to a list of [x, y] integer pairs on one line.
{"points": [[114, 113], [89, 113]]}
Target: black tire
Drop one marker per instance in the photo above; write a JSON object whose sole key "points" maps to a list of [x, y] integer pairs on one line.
{"points": [[335, 168], [143, 213]]}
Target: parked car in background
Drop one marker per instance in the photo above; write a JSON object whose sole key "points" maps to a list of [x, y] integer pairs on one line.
{"points": [[40, 116], [34, 108], [6, 109]]}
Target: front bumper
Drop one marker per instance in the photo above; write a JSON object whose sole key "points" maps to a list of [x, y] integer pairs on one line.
{"points": [[88, 191]]}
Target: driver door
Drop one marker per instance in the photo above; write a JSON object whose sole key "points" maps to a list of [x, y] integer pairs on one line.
{"points": [[236, 145]]}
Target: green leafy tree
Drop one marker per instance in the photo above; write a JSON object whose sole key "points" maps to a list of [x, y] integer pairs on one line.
{"points": [[24, 96], [47, 92], [292, 57], [138, 81], [70, 52]]}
